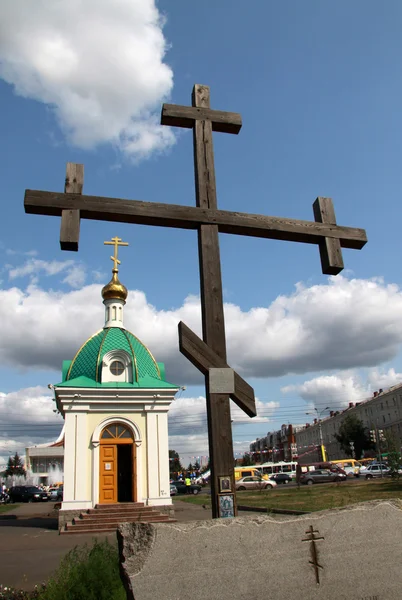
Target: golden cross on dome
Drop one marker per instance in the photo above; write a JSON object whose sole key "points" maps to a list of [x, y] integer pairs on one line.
{"points": [[116, 242]]}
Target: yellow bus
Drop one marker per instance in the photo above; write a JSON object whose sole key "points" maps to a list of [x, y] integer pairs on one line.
{"points": [[351, 466]]}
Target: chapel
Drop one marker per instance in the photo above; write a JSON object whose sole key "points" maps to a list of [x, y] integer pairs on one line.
{"points": [[114, 399]]}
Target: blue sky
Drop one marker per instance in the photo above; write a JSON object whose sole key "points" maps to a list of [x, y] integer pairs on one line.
{"points": [[318, 86]]}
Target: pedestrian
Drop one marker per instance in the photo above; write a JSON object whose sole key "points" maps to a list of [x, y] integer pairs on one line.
{"points": [[188, 484], [298, 474]]}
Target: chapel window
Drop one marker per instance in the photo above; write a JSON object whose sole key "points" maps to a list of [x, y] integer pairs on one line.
{"points": [[116, 431], [117, 367]]}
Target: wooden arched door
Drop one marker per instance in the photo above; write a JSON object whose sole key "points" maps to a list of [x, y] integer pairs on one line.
{"points": [[117, 476]]}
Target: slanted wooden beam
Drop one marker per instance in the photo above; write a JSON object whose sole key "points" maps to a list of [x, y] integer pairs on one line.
{"points": [[204, 358], [330, 248]]}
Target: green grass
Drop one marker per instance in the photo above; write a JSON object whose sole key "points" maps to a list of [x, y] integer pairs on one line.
{"points": [[87, 573], [315, 497], [7, 507]]}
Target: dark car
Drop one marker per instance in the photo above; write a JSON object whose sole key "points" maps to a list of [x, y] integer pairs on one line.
{"points": [[27, 493], [321, 476], [281, 478], [182, 488]]}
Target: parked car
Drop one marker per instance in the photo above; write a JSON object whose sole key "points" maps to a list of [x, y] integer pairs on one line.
{"points": [[254, 483], [321, 476], [27, 493], [280, 478], [173, 490], [374, 471], [55, 493], [182, 488]]}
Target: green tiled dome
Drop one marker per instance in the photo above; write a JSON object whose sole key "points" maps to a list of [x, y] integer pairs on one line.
{"points": [[88, 360]]}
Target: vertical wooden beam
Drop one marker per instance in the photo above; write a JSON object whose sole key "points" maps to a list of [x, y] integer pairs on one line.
{"points": [[330, 248], [213, 322], [70, 219]]}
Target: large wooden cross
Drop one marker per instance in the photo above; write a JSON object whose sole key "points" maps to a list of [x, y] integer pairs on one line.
{"points": [[209, 354]]}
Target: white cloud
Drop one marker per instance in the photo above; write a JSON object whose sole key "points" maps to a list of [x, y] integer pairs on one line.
{"points": [[33, 405], [334, 391], [98, 276], [76, 276], [99, 64], [378, 379], [34, 267], [338, 325], [11, 252], [337, 390], [188, 425], [188, 415], [26, 418]]}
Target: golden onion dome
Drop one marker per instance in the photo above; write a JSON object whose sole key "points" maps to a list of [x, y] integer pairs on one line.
{"points": [[114, 290]]}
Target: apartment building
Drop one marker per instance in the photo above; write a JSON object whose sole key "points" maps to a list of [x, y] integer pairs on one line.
{"points": [[276, 445], [382, 411]]}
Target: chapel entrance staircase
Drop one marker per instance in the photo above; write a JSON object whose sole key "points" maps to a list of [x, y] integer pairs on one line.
{"points": [[107, 517]]}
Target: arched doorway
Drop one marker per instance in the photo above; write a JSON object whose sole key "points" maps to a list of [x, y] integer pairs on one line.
{"points": [[117, 465]]}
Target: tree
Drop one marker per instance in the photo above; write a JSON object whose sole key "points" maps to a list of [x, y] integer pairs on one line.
{"points": [[353, 430], [196, 466], [174, 462], [190, 468], [15, 466], [247, 460]]}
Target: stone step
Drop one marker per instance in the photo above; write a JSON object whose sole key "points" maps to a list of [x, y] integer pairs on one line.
{"points": [[96, 526], [119, 505], [112, 519], [100, 527], [72, 529], [107, 517], [119, 511]]}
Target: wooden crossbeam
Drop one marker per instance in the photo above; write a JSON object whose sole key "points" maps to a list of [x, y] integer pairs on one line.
{"points": [[190, 217], [204, 358], [184, 116]]}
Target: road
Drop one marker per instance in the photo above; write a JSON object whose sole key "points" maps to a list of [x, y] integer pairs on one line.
{"points": [[293, 484]]}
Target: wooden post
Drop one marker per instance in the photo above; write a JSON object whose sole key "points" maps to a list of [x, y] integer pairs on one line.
{"points": [[213, 322], [70, 219]]}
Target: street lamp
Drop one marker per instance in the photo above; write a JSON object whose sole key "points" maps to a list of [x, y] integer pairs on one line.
{"points": [[319, 413]]}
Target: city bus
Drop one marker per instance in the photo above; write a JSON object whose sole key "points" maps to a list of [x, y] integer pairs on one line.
{"points": [[270, 468]]}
